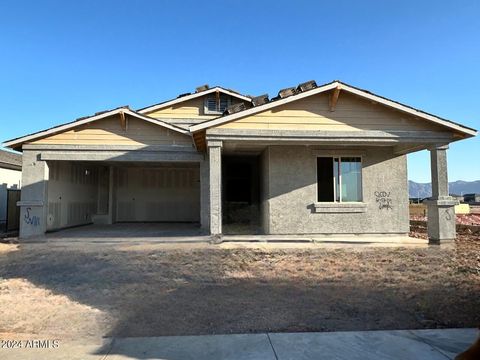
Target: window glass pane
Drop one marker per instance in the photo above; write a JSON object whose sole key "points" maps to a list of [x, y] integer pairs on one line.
{"points": [[325, 179], [351, 179]]}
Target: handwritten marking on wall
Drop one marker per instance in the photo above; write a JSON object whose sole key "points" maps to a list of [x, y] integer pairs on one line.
{"points": [[31, 220], [448, 216], [383, 200]]}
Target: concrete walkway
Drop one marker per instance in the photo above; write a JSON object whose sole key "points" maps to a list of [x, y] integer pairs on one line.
{"points": [[178, 233], [372, 345]]}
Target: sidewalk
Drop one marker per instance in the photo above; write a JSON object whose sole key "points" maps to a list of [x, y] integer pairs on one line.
{"points": [[399, 344]]}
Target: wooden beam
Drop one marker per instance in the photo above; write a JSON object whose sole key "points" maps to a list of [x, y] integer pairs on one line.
{"points": [[123, 120], [334, 98], [199, 140]]}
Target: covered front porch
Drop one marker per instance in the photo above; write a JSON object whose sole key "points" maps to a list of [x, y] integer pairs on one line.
{"points": [[281, 171]]}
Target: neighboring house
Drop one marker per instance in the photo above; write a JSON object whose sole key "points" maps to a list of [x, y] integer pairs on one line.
{"points": [[10, 178], [471, 198], [327, 159], [417, 200], [457, 197]]}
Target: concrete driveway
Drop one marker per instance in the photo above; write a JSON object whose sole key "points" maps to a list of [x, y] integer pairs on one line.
{"points": [[372, 345]]}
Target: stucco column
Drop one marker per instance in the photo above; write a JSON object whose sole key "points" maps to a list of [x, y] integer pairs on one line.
{"points": [[34, 198], [215, 189], [111, 194], [204, 196], [441, 207]]}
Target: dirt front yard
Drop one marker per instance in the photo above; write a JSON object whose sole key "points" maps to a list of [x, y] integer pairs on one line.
{"points": [[74, 291]]}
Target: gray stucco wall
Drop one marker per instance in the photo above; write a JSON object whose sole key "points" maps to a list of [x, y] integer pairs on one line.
{"points": [[292, 193], [33, 209]]}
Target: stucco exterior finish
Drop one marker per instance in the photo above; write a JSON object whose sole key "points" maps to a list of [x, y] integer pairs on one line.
{"points": [[33, 204], [205, 196], [292, 193]]}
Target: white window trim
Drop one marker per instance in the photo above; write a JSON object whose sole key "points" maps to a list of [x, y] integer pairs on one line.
{"points": [[339, 206]]}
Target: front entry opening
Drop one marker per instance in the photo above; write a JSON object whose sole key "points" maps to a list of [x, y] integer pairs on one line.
{"points": [[241, 194]]}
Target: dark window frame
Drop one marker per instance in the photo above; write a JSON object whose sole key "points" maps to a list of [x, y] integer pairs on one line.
{"points": [[336, 181]]}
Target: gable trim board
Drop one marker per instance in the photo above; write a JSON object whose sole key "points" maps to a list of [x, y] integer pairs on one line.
{"points": [[118, 111], [191, 97], [332, 86]]}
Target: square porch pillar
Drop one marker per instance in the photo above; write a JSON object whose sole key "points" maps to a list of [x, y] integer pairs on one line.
{"points": [[111, 196], [215, 186], [34, 196], [441, 207]]}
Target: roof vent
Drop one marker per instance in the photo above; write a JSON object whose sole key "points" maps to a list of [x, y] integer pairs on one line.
{"points": [[260, 100], [286, 92], [184, 94], [232, 109], [201, 88], [308, 85]]}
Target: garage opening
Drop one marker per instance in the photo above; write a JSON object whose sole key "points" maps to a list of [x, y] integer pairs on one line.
{"points": [[241, 194], [83, 193]]}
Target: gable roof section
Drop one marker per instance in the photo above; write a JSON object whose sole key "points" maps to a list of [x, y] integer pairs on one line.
{"points": [[193, 96], [327, 87], [15, 143]]}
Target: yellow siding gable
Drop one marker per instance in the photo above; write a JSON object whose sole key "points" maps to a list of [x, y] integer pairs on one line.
{"points": [[351, 114], [184, 110], [109, 131], [190, 109]]}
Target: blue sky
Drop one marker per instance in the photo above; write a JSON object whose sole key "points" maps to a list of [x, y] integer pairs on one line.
{"points": [[64, 59]]}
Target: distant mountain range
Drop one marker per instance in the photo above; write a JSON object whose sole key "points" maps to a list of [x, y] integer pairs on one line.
{"points": [[457, 187]]}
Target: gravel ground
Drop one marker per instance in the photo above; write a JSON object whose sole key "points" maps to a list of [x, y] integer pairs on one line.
{"points": [[76, 291]]}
